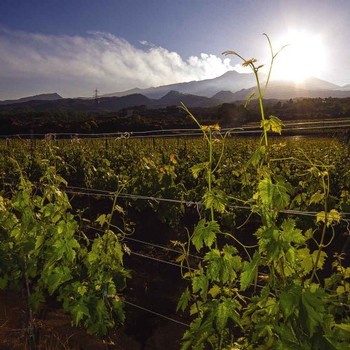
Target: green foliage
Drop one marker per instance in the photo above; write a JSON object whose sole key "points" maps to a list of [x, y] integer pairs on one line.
{"points": [[42, 247], [222, 266], [273, 124], [250, 271], [295, 308], [268, 278], [205, 234]]}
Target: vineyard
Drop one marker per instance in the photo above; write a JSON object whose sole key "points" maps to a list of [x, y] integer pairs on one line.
{"points": [[94, 199], [242, 242]]}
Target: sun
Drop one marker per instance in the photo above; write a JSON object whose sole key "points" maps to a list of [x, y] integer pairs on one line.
{"points": [[303, 56]]}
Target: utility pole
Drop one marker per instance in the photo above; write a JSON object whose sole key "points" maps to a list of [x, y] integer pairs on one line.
{"points": [[96, 96]]}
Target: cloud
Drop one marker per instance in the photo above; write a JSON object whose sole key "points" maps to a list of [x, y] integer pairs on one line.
{"points": [[78, 64]]}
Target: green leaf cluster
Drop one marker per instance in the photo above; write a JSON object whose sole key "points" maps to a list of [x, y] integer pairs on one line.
{"points": [[42, 247]]}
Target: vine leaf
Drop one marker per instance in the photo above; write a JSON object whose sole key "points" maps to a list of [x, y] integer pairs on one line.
{"points": [[102, 219], [289, 300], [316, 197], [79, 310], [257, 156], [59, 275], [222, 265], [205, 232], [214, 291], [225, 310], [249, 99], [198, 332], [274, 194], [307, 259], [215, 199], [291, 233], [312, 309], [273, 124], [200, 284], [333, 217], [343, 326], [66, 248], [250, 271], [184, 300], [198, 168]]}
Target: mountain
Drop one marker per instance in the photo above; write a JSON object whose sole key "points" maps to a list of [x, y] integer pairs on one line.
{"points": [[310, 83], [345, 87], [228, 88], [231, 81], [224, 96], [125, 93], [41, 97], [283, 90], [234, 82], [118, 103], [105, 104], [112, 104], [174, 98]]}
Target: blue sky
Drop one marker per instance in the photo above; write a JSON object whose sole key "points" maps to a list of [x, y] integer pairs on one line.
{"points": [[72, 47]]}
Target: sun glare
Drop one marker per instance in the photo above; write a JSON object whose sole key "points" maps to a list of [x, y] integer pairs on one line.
{"points": [[303, 57]]}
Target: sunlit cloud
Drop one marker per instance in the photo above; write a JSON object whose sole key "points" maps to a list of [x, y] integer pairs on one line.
{"points": [[78, 64]]}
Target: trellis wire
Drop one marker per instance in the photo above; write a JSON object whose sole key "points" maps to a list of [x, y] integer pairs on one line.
{"points": [[156, 313], [94, 192], [109, 194], [162, 261], [149, 243], [156, 133], [160, 247], [130, 252]]}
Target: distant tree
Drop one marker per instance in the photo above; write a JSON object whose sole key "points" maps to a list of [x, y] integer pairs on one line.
{"points": [[229, 115]]}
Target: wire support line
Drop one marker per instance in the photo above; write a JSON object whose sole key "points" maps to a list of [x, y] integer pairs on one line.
{"points": [[130, 252], [288, 124], [110, 194], [58, 137], [161, 247], [317, 127], [150, 244], [162, 261], [156, 313], [155, 133], [94, 192]]}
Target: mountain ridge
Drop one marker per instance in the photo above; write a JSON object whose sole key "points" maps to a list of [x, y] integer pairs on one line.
{"points": [[227, 88], [230, 81], [41, 97]]}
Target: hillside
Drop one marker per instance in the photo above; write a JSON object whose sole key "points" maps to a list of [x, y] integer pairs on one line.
{"points": [[109, 115], [42, 97], [235, 82]]}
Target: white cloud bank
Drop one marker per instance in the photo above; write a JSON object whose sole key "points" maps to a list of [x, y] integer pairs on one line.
{"points": [[75, 65]]}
